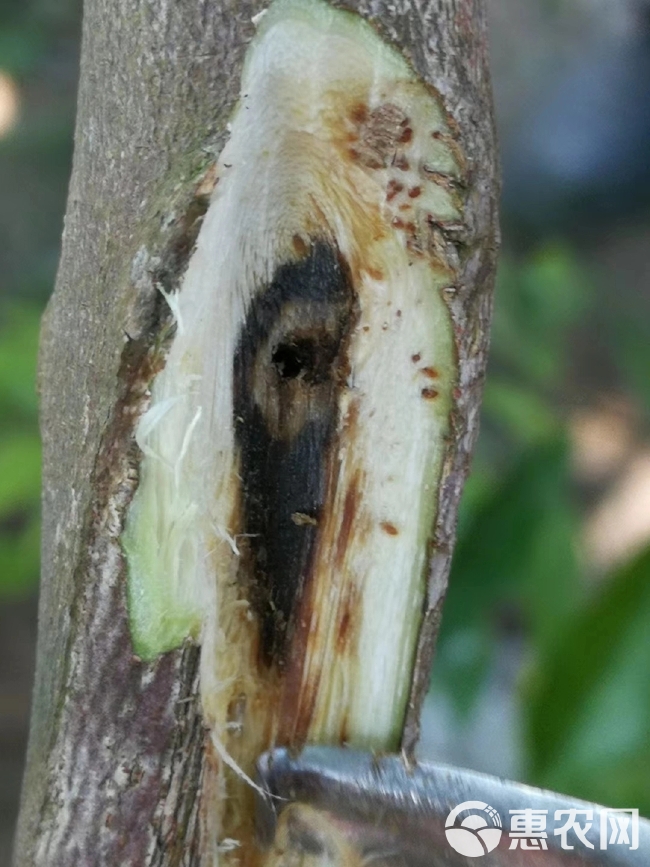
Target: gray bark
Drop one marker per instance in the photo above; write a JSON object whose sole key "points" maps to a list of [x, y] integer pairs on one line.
{"points": [[116, 745]]}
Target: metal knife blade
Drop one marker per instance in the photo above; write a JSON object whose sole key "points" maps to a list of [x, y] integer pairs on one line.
{"points": [[340, 806]]}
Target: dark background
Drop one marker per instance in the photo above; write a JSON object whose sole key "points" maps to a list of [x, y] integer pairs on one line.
{"points": [[543, 671]]}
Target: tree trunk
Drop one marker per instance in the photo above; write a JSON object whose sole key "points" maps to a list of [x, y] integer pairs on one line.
{"points": [[117, 753]]}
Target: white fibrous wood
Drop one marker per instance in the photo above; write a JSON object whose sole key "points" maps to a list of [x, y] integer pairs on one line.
{"points": [[294, 442]]}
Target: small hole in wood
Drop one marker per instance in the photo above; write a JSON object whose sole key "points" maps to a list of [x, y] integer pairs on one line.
{"points": [[292, 360]]}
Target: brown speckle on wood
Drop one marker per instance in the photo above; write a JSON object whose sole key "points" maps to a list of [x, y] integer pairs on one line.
{"points": [[392, 189], [359, 113]]}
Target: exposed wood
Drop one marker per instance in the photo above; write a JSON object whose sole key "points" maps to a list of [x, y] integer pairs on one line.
{"points": [[117, 745], [294, 441]]}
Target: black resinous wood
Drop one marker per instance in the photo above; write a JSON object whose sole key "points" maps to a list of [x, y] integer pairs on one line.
{"points": [[289, 368]]}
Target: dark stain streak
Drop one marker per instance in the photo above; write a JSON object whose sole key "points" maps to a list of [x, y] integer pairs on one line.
{"points": [[350, 508], [343, 631], [289, 367], [347, 621]]}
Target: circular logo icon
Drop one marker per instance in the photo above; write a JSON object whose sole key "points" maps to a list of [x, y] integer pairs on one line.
{"points": [[476, 833]]}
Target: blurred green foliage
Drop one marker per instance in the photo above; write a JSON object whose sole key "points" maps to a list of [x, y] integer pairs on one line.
{"points": [[518, 564], [39, 51], [589, 697], [29, 31], [20, 454]]}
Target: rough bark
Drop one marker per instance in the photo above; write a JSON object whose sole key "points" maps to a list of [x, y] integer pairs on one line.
{"points": [[116, 745]]}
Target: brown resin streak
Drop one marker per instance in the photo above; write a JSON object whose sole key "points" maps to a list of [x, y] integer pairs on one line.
{"points": [[341, 524]]}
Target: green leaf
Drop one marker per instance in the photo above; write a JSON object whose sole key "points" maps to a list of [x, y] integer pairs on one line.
{"points": [[19, 555], [493, 555], [462, 661], [520, 411], [537, 302], [20, 474], [589, 698], [19, 328], [517, 548]]}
